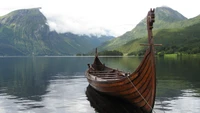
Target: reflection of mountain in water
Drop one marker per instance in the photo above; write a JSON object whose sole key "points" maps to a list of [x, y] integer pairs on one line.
{"points": [[23, 78], [107, 104], [28, 78]]}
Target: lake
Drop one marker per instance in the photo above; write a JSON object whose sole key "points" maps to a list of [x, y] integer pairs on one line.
{"points": [[58, 84]]}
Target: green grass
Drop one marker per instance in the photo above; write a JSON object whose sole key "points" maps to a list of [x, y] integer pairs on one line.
{"points": [[170, 55]]}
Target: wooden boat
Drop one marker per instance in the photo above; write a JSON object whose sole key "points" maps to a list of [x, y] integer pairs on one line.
{"points": [[139, 87]]}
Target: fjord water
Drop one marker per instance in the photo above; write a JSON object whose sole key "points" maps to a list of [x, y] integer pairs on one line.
{"points": [[58, 84]]}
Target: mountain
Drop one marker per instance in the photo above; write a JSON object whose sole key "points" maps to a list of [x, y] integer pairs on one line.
{"points": [[185, 38], [164, 16], [26, 32]]}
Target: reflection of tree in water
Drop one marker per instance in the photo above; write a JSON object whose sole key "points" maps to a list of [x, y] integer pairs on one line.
{"points": [[122, 63], [107, 104], [176, 74], [28, 78]]}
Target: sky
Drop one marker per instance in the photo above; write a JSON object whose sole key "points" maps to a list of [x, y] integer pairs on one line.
{"points": [[98, 17]]}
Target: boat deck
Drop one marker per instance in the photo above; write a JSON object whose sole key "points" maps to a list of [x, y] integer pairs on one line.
{"points": [[107, 75]]}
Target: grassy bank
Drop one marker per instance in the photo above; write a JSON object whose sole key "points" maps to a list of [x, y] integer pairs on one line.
{"points": [[178, 54]]}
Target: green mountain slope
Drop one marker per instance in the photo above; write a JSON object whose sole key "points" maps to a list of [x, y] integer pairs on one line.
{"points": [[164, 16], [25, 32], [182, 40]]}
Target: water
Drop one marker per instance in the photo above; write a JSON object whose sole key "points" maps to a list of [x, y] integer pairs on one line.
{"points": [[58, 85]]}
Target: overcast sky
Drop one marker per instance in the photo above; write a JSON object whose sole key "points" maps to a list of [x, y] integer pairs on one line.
{"points": [[114, 17]]}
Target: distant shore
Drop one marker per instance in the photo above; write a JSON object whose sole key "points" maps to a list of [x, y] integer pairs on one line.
{"points": [[165, 55]]}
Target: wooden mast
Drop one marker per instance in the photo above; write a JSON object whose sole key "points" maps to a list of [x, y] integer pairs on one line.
{"points": [[150, 21]]}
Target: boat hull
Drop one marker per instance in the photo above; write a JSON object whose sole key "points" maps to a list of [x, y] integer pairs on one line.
{"points": [[137, 88]]}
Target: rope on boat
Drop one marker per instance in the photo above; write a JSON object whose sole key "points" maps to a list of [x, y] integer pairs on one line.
{"points": [[140, 94]]}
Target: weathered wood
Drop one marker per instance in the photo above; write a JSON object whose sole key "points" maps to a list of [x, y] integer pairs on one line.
{"points": [[138, 87]]}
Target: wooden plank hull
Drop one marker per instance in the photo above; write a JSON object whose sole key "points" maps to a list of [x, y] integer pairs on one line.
{"points": [[138, 88]]}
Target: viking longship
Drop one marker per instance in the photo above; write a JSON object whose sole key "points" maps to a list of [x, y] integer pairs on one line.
{"points": [[139, 87]]}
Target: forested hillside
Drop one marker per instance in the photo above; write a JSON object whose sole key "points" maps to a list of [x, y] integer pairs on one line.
{"points": [[183, 40], [174, 31], [26, 32], [164, 16]]}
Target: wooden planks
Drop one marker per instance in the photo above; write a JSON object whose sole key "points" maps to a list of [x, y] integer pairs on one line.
{"points": [[139, 87]]}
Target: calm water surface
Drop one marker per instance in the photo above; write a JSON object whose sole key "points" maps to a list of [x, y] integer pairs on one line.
{"points": [[58, 85]]}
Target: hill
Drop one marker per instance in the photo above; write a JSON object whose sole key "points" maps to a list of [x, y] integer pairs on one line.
{"points": [[165, 18], [174, 40], [26, 32]]}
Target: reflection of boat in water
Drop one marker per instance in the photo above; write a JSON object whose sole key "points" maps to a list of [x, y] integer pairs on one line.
{"points": [[109, 104], [139, 87]]}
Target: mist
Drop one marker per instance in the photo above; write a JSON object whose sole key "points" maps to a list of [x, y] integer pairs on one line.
{"points": [[97, 17], [85, 25], [63, 24]]}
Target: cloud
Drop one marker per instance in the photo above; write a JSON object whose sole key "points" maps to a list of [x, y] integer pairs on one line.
{"points": [[64, 24], [108, 17], [92, 17]]}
